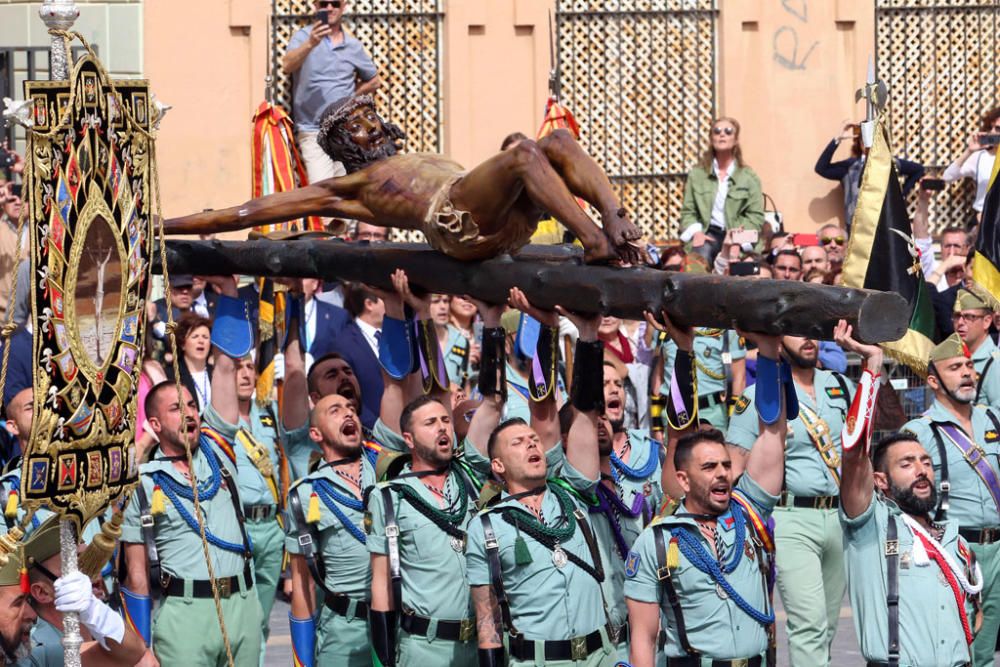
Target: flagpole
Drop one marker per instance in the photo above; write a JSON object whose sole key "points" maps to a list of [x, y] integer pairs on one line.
{"points": [[60, 15]]}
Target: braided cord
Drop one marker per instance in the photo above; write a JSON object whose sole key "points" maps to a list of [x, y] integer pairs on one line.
{"points": [[331, 497], [617, 465], [172, 491], [446, 521]]}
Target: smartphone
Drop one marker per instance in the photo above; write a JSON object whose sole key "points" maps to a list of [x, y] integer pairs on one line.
{"points": [[16, 189], [989, 139], [744, 269], [745, 236], [932, 184], [805, 240], [323, 16]]}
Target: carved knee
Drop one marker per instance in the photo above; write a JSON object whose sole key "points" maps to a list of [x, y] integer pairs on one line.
{"points": [[560, 140], [524, 155]]}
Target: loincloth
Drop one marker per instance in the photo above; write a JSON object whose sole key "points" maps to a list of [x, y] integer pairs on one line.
{"points": [[455, 233]]}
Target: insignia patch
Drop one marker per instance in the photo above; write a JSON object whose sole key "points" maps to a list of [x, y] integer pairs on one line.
{"points": [[741, 405], [460, 351], [631, 564], [266, 420], [991, 436], [368, 523], [834, 392]]}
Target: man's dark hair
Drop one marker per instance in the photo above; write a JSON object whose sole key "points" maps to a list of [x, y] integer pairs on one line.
{"points": [[504, 425], [406, 417], [881, 451], [686, 444], [151, 404], [788, 252], [311, 377], [336, 141], [354, 300], [989, 118], [511, 138]]}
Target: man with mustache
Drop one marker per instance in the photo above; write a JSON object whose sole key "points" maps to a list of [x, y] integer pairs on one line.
{"points": [[912, 578], [469, 214], [963, 441], [972, 318], [808, 537], [709, 560]]}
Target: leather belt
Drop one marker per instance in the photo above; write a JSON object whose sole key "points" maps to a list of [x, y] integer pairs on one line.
{"points": [[718, 398], [202, 588], [259, 512], [980, 535], [456, 631], [577, 648], [811, 502], [340, 604], [695, 661]]}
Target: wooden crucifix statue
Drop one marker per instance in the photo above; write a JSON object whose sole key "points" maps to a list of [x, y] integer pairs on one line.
{"points": [[467, 214]]}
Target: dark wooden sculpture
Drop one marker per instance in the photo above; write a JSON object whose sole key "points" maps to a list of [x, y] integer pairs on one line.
{"points": [[551, 275]]}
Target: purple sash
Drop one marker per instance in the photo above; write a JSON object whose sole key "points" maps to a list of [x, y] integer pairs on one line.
{"points": [[975, 457]]}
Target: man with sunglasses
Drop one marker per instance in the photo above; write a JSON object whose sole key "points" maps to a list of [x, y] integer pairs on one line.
{"points": [[972, 318], [326, 64], [11, 203], [977, 160], [833, 238], [963, 440]]}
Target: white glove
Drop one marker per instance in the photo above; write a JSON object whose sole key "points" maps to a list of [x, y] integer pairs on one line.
{"points": [[75, 593], [279, 367]]}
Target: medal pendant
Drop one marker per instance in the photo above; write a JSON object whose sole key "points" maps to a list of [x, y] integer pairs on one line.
{"points": [[721, 592], [559, 558], [458, 544]]}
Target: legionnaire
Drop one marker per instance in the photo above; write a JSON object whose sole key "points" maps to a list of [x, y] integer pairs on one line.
{"points": [[963, 441], [720, 371], [533, 562], [808, 538], [258, 442], [163, 546], [326, 539], [706, 566], [972, 318], [912, 579]]}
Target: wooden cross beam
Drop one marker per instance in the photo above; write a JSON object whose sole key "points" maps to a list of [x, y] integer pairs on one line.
{"points": [[552, 275]]}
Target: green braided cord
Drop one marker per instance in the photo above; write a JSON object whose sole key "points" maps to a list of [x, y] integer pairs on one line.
{"points": [[436, 514], [534, 527]]}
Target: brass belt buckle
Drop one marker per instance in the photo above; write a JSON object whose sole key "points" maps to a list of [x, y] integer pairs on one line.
{"points": [[467, 630], [224, 587], [741, 662], [578, 648]]}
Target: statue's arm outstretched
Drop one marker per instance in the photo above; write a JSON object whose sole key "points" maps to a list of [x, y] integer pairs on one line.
{"points": [[332, 198]]}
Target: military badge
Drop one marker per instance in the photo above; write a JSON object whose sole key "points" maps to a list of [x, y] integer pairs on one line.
{"points": [[368, 523], [632, 564], [834, 392], [741, 405], [991, 436]]}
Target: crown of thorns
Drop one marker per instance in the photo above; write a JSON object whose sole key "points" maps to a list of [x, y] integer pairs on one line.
{"points": [[345, 110]]}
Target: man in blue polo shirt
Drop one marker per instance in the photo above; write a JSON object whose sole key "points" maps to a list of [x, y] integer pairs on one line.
{"points": [[327, 65]]}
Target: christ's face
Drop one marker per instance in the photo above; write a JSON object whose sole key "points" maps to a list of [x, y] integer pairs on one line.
{"points": [[365, 128]]}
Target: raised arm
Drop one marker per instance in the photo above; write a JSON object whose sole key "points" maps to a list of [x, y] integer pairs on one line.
{"points": [[492, 378], [587, 396], [295, 403], [544, 413], [399, 391], [766, 462], [224, 399], [857, 483], [331, 198]]}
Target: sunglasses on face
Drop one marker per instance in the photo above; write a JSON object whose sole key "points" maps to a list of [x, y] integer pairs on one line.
{"points": [[839, 240], [723, 130], [329, 4], [968, 317]]}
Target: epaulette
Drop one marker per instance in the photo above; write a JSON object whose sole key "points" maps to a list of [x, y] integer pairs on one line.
{"points": [[294, 485]]}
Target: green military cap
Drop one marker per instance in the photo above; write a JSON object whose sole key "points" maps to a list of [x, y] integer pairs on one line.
{"points": [[43, 543], [969, 300], [510, 321], [949, 348]]}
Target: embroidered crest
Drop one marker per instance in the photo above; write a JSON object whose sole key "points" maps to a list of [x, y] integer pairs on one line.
{"points": [[632, 564], [834, 392], [741, 405], [991, 436], [367, 521], [265, 420]]}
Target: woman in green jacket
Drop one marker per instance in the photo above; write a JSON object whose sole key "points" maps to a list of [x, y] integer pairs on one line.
{"points": [[721, 193]]}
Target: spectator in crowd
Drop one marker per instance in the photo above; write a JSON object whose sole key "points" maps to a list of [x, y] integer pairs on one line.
{"points": [[977, 160], [203, 300], [326, 64], [194, 346], [721, 193], [321, 323], [833, 238], [672, 257], [357, 342], [815, 258], [11, 205], [848, 171], [954, 244], [463, 318], [787, 265], [181, 299], [371, 233], [943, 301]]}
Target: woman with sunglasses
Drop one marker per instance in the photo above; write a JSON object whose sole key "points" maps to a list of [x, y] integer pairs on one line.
{"points": [[977, 160], [721, 193], [848, 171]]}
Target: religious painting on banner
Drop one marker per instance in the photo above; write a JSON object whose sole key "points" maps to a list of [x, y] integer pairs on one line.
{"points": [[88, 192]]}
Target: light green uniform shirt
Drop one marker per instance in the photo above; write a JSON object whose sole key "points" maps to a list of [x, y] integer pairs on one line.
{"points": [[806, 474], [989, 392], [178, 544], [345, 558], [456, 355], [715, 626], [709, 361], [930, 632], [433, 571], [12, 482], [970, 502], [265, 428], [47, 650], [546, 602]]}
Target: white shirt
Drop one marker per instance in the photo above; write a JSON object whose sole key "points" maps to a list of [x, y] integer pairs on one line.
{"points": [[369, 333], [203, 389], [719, 205], [200, 306], [309, 313], [979, 166]]}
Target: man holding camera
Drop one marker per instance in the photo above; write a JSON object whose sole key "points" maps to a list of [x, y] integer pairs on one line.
{"points": [[327, 64]]}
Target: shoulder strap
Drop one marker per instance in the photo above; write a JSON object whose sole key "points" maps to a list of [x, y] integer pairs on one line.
{"points": [[308, 540], [147, 526], [468, 480], [496, 573], [392, 537], [944, 486], [844, 392], [663, 574], [982, 377], [993, 417], [892, 589], [727, 365], [234, 495]]}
